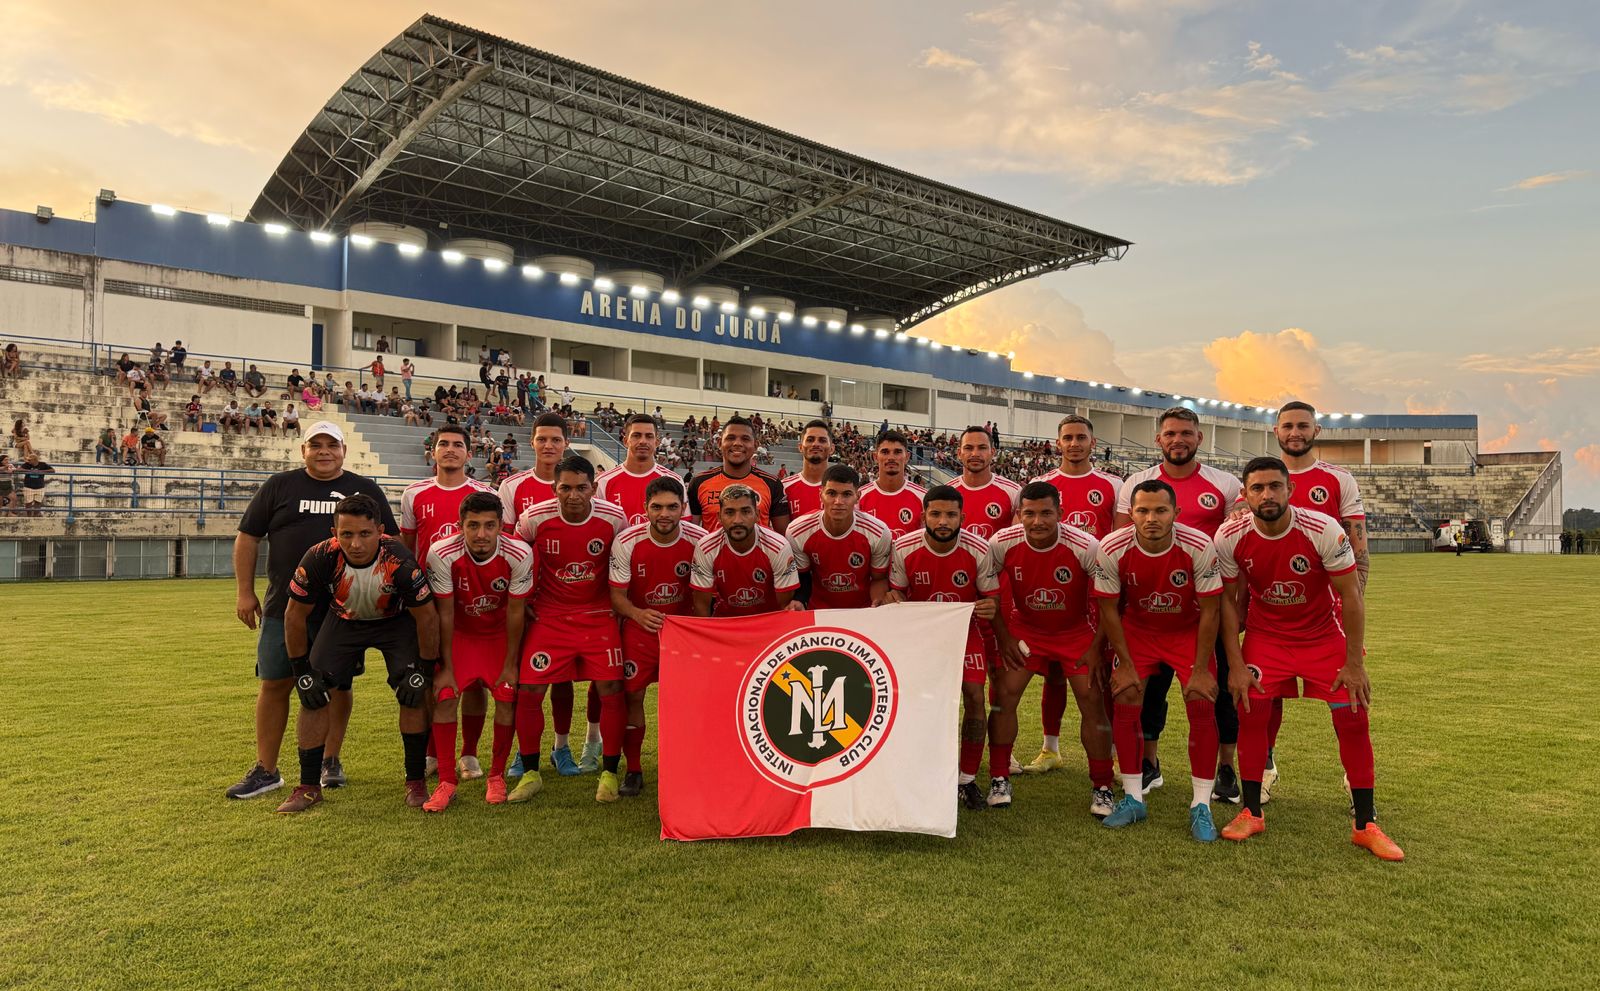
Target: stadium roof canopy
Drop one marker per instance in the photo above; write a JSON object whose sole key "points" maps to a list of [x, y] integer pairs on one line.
{"points": [[461, 132]]}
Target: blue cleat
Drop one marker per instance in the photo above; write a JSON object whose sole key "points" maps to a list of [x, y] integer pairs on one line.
{"points": [[1200, 825], [1128, 811], [515, 770], [561, 760]]}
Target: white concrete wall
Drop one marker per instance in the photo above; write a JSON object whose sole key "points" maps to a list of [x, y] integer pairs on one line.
{"points": [[132, 321], [40, 311]]}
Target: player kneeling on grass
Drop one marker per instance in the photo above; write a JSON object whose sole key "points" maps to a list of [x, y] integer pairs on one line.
{"points": [[1294, 562], [1045, 570], [1158, 583], [377, 598], [651, 564], [481, 578]]}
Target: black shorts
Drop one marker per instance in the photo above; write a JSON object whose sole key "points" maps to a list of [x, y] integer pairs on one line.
{"points": [[340, 650]]}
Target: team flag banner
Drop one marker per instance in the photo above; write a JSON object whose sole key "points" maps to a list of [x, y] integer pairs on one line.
{"points": [[838, 718]]}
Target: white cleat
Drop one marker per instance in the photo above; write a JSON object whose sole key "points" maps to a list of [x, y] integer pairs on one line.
{"points": [[468, 768]]}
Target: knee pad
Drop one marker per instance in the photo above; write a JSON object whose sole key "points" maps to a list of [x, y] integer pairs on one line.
{"points": [[504, 693]]}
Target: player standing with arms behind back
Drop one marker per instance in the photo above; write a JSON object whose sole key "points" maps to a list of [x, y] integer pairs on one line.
{"points": [[803, 491], [626, 484], [891, 496]]}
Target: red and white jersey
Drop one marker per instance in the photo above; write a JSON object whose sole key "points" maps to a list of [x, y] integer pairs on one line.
{"points": [[431, 512], [1160, 593], [1088, 502], [842, 568], [803, 496], [1205, 496], [656, 575], [900, 510], [481, 589], [748, 583], [523, 490], [1046, 589], [623, 487], [1291, 598], [573, 558], [989, 508], [1326, 488], [961, 574]]}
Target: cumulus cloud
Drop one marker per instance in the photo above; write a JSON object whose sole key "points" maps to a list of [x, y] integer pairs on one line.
{"points": [[1587, 459], [1546, 179], [1049, 333], [938, 58], [1271, 369]]}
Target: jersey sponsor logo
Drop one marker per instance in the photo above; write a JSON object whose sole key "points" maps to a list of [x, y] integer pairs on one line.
{"points": [[500, 584], [983, 531], [758, 575], [1319, 494], [992, 510], [483, 605], [745, 597], [1063, 574], [1284, 594], [1161, 602], [839, 582], [576, 571], [596, 546], [664, 594], [446, 530], [960, 579], [1045, 600], [1178, 578], [858, 559], [816, 706], [1300, 564], [1081, 519], [540, 661], [1096, 497], [681, 569], [906, 515], [944, 597], [1208, 500]]}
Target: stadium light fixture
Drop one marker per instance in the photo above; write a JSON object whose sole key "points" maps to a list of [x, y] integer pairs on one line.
{"points": [[729, 307], [1357, 416], [322, 237], [532, 271], [275, 229], [639, 292], [881, 334], [1027, 375], [808, 321], [994, 354], [1335, 416], [758, 311], [857, 328], [163, 210], [1094, 385], [1138, 391], [1177, 399], [935, 345], [218, 220], [362, 240], [784, 316], [1060, 380], [923, 342], [1011, 355], [494, 264], [569, 278], [701, 302], [835, 325], [604, 284], [670, 296], [410, 250], [901, 335], [1273, 411], [452, 256]]}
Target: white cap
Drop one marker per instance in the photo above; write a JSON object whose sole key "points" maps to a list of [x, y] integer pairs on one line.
{"points": [[324, 427]]}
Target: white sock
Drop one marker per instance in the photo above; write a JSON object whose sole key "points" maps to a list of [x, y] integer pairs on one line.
{"points": [[966, 779], [1202, 790], [1053, 744], [561, 740], [1133, 786], [593, 735]]}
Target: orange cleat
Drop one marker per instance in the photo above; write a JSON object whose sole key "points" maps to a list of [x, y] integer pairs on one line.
{"points": [[1373, 839], [1244, 826], [440, 799], [495, 791]]}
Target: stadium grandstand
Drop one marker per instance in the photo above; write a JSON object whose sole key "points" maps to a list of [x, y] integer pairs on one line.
{"points": [[465, 204]]}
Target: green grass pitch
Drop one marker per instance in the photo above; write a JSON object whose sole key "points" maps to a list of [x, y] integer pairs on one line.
{"points": [[127, 712]]}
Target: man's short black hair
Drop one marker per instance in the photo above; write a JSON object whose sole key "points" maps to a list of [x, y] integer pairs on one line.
{"points": [[552, 420], [577, 464], [452, 428], [842, 474], [1154, 485], [359, 504], [1265, 462], [942, 493], [892, 437], [666, 483], [644, 418], [1042, 490], [978, 430], [739, 421], [822, 425], [481, 502], [1298, 405]]}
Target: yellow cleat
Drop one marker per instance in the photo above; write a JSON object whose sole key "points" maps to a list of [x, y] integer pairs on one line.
{"points": [[1048, 760], [607, 789], [530, 785]]}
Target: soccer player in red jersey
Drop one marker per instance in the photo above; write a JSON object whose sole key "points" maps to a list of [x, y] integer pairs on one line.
{"points": [[574, 634], [526, 488], [377, 598], [1046, 574], [738, 442], [1206, 496], [625, 484], [480, 578], [1323, 488], [1159, 584], [843, 555], [1088, 502], [891, 496], [803, 491], [742, 568], [1307, 629], [945, 563], [650, 567], [988, 501]]}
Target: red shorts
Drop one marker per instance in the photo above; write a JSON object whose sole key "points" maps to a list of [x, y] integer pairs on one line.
{"points": [[478, 661], [1277, 665], [641, 657], [1153, 648], [572, 647], [1066, 648], [975, 662]]}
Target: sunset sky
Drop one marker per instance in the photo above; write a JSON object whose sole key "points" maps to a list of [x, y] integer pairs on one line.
{"points": [[1378, 207]]}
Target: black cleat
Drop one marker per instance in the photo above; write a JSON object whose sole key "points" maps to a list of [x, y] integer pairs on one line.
{"points": [[632, 784], [1226, 788], [256, 783], [1152, 775], [972, 796]]}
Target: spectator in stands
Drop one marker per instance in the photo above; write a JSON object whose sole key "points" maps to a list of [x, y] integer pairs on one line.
{"points": [[231, 417], [130, 448], [252, 417], [328, 387], [205, 378], [407, 370], [566, 395], [377, 370], [827, 410], [291, 420], [408, 412], [156, 375], [483, 354], [296, 381], [158, 354], [311, 397], [502, 385], [151, 449], [580, 426], [348, 398], [8, 498], [106, 446], [10, 361], [483, 370], [269, 418], [228, 378], [122, 365], [150, 417], [383, 344], [21, 439], [33, 473], [255, 383], [178, 356]]}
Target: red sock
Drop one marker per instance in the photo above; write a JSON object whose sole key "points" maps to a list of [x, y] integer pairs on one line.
{"points": [[1202, 737], [1275, 722], [633, 746], [595, 710], [561, 707], [971, 756], [1253, 739], [1053, 706], [1100, 772], [502, 749], [1355, 745], [471, 732], [1125, 734], [1000, 760], [444, 742], [530, 722], [613, 723]]}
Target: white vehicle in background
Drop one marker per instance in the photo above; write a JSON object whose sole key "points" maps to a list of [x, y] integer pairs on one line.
{"points": [[1478, 536]]}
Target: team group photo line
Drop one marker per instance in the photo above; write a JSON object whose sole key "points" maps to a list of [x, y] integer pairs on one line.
{"points": [[1247, 589]]}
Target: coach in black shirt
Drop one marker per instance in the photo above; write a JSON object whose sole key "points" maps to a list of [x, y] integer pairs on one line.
{"points": [[295, 509]]}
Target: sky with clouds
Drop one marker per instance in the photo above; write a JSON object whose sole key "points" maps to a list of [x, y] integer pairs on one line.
{"points": [[1377, 206]]}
